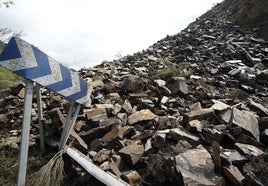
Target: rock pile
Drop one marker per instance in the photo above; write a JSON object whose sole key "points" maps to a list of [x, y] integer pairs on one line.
{"points": [[190, 110]]}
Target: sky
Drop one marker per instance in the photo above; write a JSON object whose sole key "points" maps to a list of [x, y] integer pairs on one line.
{"points": [[83, 33]]}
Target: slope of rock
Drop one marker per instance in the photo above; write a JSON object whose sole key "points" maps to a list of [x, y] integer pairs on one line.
{"points": [[189, 110]]}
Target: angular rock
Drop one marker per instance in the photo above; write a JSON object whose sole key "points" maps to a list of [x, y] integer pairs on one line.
{"points": [[110, 121], [232, 157], [77, 141], [244, 119], [95, 133], [79, 125], [182, 146], [115, 134], [196, 160], [178, 86], [127, 106], [190, 178], [4, 118], [259, 107], [249, 150], [179, 134], [138, 95], [142, 135], [196, 167], [97, 83], [96, 114], [114, 96], [164, 100], [132, 153], [102, 156], [159, 140], [233, 175], [147, 103], [142, 115], [133, 84], [253, 179], [195, 126], [199, 114], [114, 169], [105, 166], [219, 106], [160, 82], [132, 177], [16, 89], [195, 106], [117, 160]]}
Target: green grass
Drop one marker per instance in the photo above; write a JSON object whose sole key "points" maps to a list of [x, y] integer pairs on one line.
{"points": [[8, 165], [7, 78]]}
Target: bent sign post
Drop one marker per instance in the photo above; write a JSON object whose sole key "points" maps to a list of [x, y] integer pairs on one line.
{"points": [[35, 66]]}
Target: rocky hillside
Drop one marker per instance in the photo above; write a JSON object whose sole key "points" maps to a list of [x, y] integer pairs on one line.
{"points": [[252, 14], [192, 109]]}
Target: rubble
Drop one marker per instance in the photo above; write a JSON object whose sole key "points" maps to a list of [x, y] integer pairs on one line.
{"points": [[189, 110]]}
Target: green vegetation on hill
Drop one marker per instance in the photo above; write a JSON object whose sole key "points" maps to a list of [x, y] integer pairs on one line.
{"points": [[7, 78]]}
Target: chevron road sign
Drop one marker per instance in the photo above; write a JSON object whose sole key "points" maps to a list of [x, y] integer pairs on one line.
{"points": [[31, 63]]}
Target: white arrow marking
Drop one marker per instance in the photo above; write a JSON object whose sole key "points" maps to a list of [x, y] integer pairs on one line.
{"points": [[27, 59], [85, 99], [52, 78], [73, 89]]}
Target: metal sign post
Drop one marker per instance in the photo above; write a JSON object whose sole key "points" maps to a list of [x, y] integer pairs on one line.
{"points": [[40, 117], [69, 123], [24, 143]]}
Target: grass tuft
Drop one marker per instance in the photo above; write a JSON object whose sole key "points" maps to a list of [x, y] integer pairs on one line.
{"points": [[182, 69], [52, 173]]}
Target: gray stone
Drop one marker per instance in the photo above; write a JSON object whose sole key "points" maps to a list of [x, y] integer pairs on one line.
{"points": [[245, 119], [196, 167], [248, 149], [232, 157], [259, 107]]}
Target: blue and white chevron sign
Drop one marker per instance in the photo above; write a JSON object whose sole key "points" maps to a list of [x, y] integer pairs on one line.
{"points": [[29, 62]]}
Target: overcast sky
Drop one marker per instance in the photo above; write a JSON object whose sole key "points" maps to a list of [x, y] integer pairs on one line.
{"points": [[83, 33]]}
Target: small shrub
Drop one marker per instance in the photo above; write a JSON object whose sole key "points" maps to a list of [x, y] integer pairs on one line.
{"points": [[182, 69]]}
